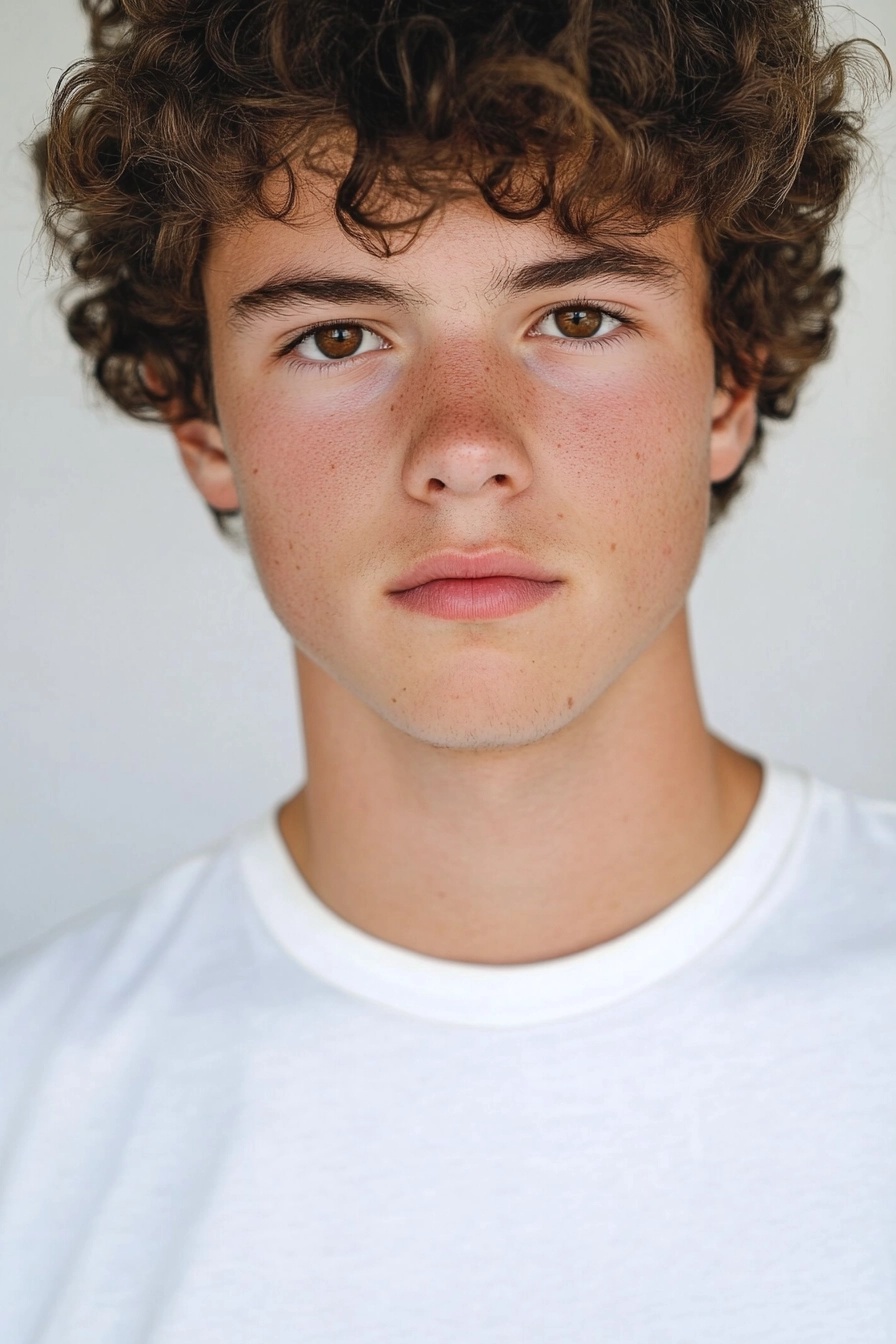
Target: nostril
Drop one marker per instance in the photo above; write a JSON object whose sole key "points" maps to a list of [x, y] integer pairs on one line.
{"points": [[436, 483], [500, 478]]}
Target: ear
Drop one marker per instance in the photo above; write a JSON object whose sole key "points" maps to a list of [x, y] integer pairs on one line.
{"points": [[735, 418], [202, 453], [201, 447]]}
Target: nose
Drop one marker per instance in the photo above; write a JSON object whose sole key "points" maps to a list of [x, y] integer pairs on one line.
{"points": [[466, 438]]}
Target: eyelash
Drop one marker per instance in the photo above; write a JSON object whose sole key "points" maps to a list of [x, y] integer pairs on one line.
{"points": [[608, 310], [327, 365]]}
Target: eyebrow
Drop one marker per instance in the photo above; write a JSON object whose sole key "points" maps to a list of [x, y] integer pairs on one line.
{"points": [[284, 291], [608, 261]]}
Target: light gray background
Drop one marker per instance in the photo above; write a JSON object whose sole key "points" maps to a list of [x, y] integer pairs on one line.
{"points": [[146, 691]]}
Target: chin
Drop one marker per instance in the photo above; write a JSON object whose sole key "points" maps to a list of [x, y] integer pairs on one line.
{"points": [[482, 726]]}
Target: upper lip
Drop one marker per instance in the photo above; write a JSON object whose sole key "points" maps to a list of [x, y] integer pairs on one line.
{"points": [[471, 565]]}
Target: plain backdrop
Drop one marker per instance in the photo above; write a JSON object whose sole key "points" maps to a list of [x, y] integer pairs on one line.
{"points": [[147, 702]]}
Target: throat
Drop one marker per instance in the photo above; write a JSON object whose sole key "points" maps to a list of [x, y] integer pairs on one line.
{"points": [[549, 876]]}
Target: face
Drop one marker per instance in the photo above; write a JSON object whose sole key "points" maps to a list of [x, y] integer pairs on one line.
{"points": [[475, 476]]}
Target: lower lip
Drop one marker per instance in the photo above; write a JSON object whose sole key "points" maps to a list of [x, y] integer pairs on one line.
{"points": [[476, 599]]}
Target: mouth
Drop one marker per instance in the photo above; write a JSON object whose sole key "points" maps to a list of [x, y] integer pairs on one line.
{"points": [[474, 587]]}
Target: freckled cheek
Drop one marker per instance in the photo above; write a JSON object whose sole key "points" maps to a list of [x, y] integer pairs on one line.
{"points": [[309, 483], [291, 458], [632, 448]]}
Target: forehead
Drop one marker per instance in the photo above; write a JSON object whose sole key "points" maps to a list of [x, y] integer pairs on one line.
{"points": [[464, 251]]}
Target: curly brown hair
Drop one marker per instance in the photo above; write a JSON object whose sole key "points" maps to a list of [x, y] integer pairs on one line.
{"points": [[738, 112]]}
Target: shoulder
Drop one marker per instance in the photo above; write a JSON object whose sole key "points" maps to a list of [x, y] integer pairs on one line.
{"points": [[854, 836], [841, 877], [142, 951]]}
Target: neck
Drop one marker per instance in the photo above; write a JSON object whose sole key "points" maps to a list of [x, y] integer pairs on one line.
{"points": [[524, 854]]}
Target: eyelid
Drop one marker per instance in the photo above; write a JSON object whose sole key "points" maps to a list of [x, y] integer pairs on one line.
{"points": [[608, 309], [289, 346]]}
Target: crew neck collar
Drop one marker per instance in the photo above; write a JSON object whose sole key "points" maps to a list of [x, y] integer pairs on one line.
{"points": [[476, 994]]}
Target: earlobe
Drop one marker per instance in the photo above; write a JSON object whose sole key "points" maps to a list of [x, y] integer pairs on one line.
{"points": [[202, 452], [734, 424]]}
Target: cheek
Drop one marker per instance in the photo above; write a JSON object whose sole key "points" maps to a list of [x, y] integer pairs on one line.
{"points": [[636, 449], [305, 476], [634, 458]]}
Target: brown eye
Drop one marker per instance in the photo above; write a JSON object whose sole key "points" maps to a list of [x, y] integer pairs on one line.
{"points": [[338, 342], [581, 322]]}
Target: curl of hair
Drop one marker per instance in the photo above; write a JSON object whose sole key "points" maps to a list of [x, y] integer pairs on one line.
{"points": [[737, 112]]}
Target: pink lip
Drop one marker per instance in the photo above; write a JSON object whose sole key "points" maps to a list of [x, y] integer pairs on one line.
{"points": [[465, 587]]}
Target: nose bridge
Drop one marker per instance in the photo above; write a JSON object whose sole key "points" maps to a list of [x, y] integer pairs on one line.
{"points": [[467, 434]]}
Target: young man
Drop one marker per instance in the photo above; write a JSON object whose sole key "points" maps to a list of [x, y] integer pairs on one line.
{"points": [[540, 1013]]}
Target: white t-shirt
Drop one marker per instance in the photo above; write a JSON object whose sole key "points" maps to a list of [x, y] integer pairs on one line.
{"points": [[227, 1116]]}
